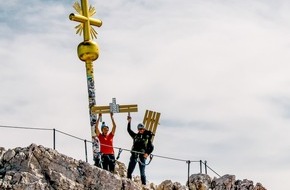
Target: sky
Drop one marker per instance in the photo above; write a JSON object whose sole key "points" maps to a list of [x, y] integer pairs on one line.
{"points": [[217, 71]]}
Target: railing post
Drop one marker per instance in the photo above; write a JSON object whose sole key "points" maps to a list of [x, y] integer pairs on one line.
{"points": [[86, 150], [53, 138], [205, 166], [188, 172], [200, 166]]}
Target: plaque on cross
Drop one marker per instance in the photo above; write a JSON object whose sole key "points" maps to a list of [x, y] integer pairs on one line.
{"points": [[114, 107]]}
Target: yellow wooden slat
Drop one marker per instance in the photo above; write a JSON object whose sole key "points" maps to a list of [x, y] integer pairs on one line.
{"points": [[152, 121], [100, 109], [147, 119], [154, 128], [132, 105], [128, 108], [145, 116], [147, 122]]}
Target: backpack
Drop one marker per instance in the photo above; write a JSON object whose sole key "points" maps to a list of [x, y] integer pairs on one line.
{"points": [[143, 143]]}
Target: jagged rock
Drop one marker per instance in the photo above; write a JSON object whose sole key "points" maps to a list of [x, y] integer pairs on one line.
{"points": [[244, 185], [39, 168], [120, 169], [169, 185], [259, 186], [2, 150], [199, 182], [226, 182]]}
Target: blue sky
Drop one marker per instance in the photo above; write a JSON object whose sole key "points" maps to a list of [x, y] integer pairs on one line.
{"points": [[218, 71]]}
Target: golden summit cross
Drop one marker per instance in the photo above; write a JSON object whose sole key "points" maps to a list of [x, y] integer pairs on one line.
{"points": [[88, 50], [85, 19]]}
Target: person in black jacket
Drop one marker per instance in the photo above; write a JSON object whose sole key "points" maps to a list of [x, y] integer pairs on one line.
{"points": [[142, 147]]}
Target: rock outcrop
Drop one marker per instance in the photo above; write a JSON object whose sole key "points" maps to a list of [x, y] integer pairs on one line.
{"points": [[39, 168]]}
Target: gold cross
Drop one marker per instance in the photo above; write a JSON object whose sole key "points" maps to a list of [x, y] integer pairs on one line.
{"points": [[84, 17]]}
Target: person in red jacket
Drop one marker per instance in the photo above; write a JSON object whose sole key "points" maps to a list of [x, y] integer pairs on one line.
{"points": [[106, 143]]}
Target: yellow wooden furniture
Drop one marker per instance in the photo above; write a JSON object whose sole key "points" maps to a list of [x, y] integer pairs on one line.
{"points": [[151, 121]]}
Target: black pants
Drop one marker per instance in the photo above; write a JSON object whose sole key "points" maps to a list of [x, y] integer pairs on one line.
{"points": [[132, 164], [108, 162]]}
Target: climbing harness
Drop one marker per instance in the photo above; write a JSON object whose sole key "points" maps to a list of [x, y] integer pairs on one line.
{"points": [[98, 160], [144, 164], [119, 153]]}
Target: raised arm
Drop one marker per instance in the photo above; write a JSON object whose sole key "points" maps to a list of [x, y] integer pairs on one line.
{"points": [[97, 131], [131, 133], [114, 124]]}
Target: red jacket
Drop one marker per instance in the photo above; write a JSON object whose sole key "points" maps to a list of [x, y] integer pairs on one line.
{"points": [[106, 143]]}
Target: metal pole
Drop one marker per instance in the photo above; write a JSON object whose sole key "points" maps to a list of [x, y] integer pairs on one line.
{"points": [[53, 138], [86, 150], [188, 172], [205, 166], [91, 92], [92, 97], [88, 51], [200, 166]]}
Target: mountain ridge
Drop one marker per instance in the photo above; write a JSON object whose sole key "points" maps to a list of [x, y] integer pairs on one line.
{"points": [[39, 168]]}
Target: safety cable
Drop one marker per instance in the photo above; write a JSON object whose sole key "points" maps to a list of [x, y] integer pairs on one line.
{"points": [[159, 156], [15, 127]]}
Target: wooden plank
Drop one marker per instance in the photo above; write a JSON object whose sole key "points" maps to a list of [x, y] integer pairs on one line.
{"points": [[145, 117], [154, 128], [100, 109], [148, 120], [124, 106], [128, 108], [152, 121]]}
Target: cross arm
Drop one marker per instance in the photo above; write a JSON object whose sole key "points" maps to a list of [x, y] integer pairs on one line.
{"points": [[128, 108], [122, 108], [100, 109], [83, 19]]}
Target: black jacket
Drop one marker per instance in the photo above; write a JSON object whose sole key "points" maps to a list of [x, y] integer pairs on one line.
{"points": [[141, 142]]}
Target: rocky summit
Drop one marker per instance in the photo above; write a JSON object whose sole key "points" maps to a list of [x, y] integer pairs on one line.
{"points": [[38, 168]]}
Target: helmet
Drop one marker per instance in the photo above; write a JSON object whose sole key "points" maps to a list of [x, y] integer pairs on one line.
{"points": [[140, 126], [103, 125]]}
